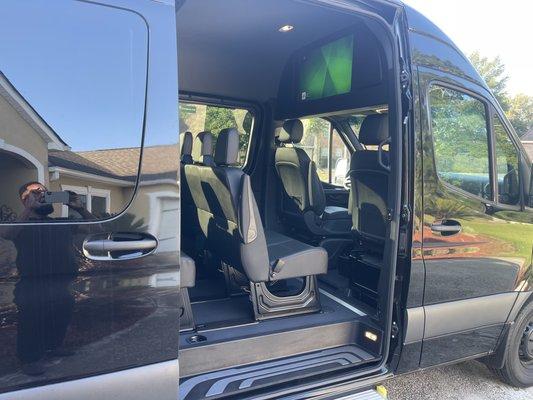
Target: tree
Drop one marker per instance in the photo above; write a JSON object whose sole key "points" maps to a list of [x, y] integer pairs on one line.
{"points": [[519, 108], [493, 72], [521, 113], [218, 118]]}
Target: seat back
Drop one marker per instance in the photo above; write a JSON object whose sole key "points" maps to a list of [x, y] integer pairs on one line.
{"points": [[302, 189], [202, 148], [227, 212], [370, 181]]}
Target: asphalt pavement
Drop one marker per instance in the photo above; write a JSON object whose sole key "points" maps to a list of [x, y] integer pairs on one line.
{"points": [[466, 381]]}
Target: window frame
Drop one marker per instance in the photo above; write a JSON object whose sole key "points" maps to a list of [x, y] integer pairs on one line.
{"points": [[490, 141], [88, 191], [511, 207], [254, 109]]}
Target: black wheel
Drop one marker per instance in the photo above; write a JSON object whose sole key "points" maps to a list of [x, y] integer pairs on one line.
{"points": [[518, 358]]}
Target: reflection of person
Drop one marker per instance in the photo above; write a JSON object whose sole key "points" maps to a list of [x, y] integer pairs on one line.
{"points": [[46, 265]]}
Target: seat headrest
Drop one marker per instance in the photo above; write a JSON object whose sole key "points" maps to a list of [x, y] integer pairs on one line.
{"points": [[374, 129], [227, 148], [186, 147], [292, 131], [202, 148]]}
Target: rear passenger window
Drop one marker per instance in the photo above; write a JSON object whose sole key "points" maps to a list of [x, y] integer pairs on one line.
{"points": [[197, 118], [506, 164], [72, 89], [326, 149], [460, 140]]}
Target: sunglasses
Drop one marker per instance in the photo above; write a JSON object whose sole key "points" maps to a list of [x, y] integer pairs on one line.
{"points": [[37, 190]]}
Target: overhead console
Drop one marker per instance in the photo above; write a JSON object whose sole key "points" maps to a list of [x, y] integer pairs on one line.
{"points": [[345, 70]]}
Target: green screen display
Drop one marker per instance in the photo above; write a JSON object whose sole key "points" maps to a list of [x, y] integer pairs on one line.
{"points": [[327, 70]]}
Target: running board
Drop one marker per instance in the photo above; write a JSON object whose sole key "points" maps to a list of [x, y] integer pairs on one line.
{"points": [[238, 380]]}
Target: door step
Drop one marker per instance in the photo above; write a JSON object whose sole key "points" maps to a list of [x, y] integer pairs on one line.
{"points": [[237, 380]]}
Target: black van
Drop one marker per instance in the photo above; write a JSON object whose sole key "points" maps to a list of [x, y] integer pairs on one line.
{"points": [[293, 199]]}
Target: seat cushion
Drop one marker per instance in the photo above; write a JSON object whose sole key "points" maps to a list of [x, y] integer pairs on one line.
{"points": [[187, 271], [290, 258]]}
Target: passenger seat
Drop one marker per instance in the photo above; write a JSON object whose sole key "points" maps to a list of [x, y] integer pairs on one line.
{"points": [[370, 182], [187, 205], [230, 220], [304, 201]]}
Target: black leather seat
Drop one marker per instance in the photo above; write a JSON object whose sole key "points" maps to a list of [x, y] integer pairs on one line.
{"points": [[230, 221], [370, 182], [187, 205], [201, 153], [304, 201]]}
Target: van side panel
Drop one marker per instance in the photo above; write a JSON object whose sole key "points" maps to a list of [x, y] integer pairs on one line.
{"points": [[486, 263], [471, 279], [120, 317]]}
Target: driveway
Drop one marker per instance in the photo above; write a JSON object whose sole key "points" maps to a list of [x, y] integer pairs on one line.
{"points": [[466, 381]]}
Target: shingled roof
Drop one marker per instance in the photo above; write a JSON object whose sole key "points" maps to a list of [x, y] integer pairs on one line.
{"points": [[159, 162]]}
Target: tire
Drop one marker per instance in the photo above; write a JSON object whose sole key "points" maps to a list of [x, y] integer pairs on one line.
{"points": [[517, 368]]}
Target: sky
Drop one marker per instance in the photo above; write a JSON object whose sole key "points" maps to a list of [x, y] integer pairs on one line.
{"points": [[495, 28], [82, 67]]}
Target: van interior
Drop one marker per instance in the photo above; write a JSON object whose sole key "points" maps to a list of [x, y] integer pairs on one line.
{"points": [[288, 160]]}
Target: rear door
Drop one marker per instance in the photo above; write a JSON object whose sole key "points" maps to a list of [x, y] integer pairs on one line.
{"points": [[88, 282], [476, 241]]}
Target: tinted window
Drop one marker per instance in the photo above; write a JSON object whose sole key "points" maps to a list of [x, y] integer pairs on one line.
{"points": [[506, 165], [72, 89], [460, 140], [197, 118]]}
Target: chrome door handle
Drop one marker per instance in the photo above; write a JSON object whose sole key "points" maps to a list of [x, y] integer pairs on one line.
{"points": [[446, 227], [118, 246], [111, 245]]}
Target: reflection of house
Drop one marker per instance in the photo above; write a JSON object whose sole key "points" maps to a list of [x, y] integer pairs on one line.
{"points": [[30, 150], [527, 141], [106, 178], [25, 140]]}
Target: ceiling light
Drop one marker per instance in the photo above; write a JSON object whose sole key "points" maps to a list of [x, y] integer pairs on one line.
{"points": [[286, 28]]}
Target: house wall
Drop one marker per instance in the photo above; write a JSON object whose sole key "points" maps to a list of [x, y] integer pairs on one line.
{"points": [[15, 131], [148, 203], [23, 156]]}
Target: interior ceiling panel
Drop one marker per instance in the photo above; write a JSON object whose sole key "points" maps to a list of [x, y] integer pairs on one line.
{"points": [[233, 48]]}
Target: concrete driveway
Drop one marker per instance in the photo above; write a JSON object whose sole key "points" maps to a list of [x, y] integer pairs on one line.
{"points": [[466, 381]]}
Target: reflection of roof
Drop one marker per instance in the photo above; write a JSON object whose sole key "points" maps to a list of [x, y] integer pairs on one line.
{"points": [[159, 162]]}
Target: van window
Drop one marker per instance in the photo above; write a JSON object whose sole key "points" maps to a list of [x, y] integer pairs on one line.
{"points": [[72, 89], [197, 118], [460, 140], [326, 149], [506, 164]]}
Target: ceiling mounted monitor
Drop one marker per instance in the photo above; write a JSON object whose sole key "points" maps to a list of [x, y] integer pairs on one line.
{"points": [[326, 70]]}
